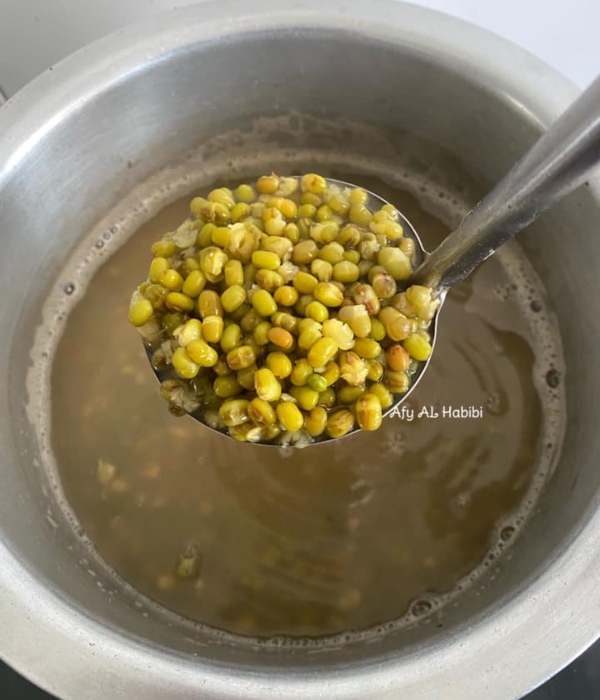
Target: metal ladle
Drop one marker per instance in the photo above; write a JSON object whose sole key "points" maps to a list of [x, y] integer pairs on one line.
{"points": [[556, 165]]}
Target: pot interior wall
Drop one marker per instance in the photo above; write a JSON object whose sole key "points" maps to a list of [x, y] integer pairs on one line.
{"points": [[93, 156]]}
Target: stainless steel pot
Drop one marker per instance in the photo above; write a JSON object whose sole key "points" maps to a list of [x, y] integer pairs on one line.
{"points": [[81, 136]]}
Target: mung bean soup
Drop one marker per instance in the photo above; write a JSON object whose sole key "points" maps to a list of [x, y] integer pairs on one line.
{"points": [[344, 536]]}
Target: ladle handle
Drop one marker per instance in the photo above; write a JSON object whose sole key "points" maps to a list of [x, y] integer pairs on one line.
{"points": [[559, 162]]}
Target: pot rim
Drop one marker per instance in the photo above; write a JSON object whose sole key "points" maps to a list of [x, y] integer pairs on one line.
{"points": [[520, 645]]}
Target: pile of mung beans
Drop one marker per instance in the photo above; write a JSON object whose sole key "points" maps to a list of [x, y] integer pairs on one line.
{"points": [[277, 312]]}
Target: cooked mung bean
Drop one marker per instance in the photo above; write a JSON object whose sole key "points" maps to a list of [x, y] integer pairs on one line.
{"points": [[283, 309]]}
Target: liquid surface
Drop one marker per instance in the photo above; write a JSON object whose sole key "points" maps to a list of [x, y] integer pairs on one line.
{"points": [[338, 537]]}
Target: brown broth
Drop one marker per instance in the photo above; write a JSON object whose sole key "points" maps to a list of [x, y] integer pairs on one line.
{"points": [[337, 537]]}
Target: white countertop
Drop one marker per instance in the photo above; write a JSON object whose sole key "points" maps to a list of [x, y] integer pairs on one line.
{"points": [[34, 34]]}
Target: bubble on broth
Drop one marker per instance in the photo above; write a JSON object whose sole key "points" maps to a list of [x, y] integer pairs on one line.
{"points": [[436, 193]]}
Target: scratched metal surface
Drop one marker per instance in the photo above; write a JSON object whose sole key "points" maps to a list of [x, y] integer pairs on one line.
{"points": [[579, 681]]}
